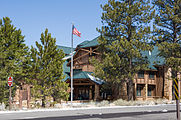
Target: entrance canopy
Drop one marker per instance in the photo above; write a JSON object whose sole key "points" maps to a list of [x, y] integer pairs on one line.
{"points": [[78, 74]]}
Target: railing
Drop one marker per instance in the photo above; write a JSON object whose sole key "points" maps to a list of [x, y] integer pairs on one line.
{"points": [[143, 81], [151, 81], [140, 81]]}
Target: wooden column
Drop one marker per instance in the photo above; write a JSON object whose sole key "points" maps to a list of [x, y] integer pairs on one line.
{"points": [[90, 51], [146, 85], [28, 96], [90, 93], [20, 99], [135, 90], [96, 96], [146, 91]]}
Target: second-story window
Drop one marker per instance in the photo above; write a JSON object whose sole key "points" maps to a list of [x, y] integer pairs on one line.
{"points": [[141, 74], [151, 75]]}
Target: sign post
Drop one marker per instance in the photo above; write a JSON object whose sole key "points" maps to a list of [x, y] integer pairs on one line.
{"points": [[10, 83], [10, 103], [176, 92]]}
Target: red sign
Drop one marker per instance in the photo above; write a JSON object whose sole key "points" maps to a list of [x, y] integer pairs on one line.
{"points": [[10, 81]]}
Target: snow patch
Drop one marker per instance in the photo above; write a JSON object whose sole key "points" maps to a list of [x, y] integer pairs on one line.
{"points": [[164, 110], [83, 108]]}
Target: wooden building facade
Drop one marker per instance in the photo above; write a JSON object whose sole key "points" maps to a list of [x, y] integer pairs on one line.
{"points": [[148, 84]]}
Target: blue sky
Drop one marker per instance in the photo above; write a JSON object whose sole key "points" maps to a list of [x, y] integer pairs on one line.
{"points": [[33, 16]]}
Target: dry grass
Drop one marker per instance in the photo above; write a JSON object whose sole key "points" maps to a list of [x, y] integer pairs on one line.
{"points": [[121, 102], [104, 103]]}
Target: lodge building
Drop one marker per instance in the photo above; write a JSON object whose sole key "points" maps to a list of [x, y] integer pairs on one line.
{"points": [[148, 84]]}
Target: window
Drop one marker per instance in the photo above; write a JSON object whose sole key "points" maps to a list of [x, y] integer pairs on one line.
{"points": [[151, 75], [138, 90], [141, 74], [151, 90]]}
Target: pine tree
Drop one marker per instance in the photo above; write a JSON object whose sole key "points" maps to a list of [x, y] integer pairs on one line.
{"points": [[47, 69], [124, 35], [167, 32], [13, 54]]}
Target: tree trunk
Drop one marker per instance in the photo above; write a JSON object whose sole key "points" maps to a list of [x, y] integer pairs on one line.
{"points": [[43, 102], [130, 89], [43, 98], [54, 99], [116, 91], [130, 83]]}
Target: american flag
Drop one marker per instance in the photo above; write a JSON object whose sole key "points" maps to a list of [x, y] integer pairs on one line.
{"points": [[76, 32]]}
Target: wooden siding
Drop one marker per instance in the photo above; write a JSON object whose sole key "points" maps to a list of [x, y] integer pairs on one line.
{"points": [[81, 61], [82, 57], [146, 79], [159, 82]]}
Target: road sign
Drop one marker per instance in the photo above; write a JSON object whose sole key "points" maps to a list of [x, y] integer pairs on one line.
{"points": [[176, 91], [10, 81], [177, 97]]}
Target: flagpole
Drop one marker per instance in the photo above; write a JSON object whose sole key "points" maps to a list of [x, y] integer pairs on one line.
{"points": [[72, 66]]}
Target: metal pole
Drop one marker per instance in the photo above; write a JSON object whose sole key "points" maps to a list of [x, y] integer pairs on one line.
{"points": [[177, 97], [178, 110], [10, 104], [72, 66]]}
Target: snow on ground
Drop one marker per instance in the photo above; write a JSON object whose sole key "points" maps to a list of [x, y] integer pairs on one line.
{"points": [[94, 105], [71, 108]]}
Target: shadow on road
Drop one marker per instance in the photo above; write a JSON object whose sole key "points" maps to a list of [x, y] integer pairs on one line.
{"points": [[101, 116]]}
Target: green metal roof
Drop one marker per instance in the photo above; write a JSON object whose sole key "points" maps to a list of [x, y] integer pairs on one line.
{"points": [[66, 68], [83, 43], [153, 58], [91, 43], [67, 50], [79, 74], [66, 77]]}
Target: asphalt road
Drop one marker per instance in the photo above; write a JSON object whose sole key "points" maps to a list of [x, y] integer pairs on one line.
{"points": [[165, 112]]}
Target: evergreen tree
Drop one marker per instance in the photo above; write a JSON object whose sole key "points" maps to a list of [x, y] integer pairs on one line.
{"points": [[167, 32], [47, 69], [124, 35], [13, 53]]}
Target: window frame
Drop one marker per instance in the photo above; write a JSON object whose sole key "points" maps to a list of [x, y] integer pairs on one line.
{"points": [[151, 75], [141, 74], [138, 90], [149, 92], [151, 89]]}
